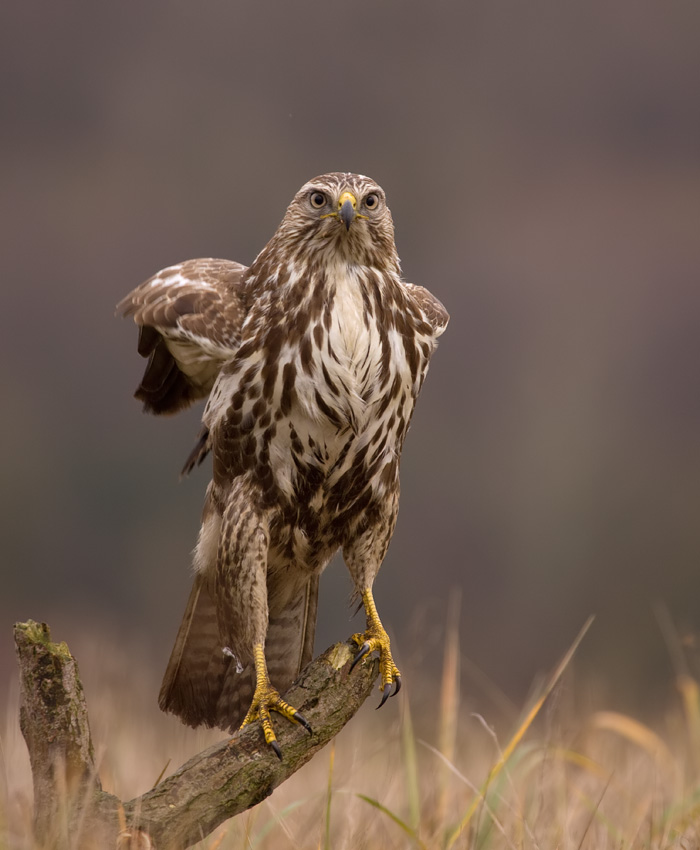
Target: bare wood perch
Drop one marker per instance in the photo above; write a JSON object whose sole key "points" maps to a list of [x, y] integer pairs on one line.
{"points": [[73, 813]]}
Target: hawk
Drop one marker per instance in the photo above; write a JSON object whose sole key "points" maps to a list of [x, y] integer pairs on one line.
{"points": [[311, 361]]}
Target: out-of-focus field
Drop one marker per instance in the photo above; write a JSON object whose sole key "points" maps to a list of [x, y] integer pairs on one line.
{"points": [[425, 772]]}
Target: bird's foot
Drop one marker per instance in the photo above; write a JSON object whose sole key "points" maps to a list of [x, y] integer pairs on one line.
{"points": [[373, 639], [267, 699]]}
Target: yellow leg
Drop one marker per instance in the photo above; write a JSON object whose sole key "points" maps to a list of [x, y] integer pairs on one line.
{"points": [[376, 638], [267, 699]]}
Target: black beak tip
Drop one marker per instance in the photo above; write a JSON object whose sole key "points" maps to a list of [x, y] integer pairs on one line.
{"points": [[347, 214]]}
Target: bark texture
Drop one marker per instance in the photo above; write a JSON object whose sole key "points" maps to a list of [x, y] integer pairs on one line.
{"points": [[73, 813]]}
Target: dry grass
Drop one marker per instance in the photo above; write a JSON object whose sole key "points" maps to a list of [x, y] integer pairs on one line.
{"points": [[606, 781]]}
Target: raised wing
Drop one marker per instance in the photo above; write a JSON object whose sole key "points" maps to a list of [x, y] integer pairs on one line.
{"points": [[433, 309], [189, 317]]}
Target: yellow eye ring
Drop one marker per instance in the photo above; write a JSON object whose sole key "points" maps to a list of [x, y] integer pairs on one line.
{"points": [[317, 200]]}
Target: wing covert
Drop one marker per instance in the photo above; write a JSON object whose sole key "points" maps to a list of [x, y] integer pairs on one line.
{"points": [[432, 307], [189, 317]]}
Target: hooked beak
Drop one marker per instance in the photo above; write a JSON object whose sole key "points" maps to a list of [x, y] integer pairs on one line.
{"points": [[347, 208]]}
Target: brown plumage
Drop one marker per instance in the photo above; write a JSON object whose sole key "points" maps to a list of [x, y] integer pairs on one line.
{"points": [[312, 360]]}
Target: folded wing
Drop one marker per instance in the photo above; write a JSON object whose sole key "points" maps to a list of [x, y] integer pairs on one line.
{"points": [[189, 318], [432, 308]]}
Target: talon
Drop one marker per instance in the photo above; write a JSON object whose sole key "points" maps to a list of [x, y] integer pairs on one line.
{"points": [[299, 717], [376, 638], [267, 699], [364, 650], [385, 694]]}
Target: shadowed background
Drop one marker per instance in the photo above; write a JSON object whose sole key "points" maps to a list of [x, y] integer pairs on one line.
{"points": [[542, 163]]}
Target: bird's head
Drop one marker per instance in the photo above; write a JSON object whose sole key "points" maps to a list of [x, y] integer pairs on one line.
{"points": [[342, 215]]}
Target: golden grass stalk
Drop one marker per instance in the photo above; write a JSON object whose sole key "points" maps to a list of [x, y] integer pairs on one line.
{"points": [[410, 766], [449, 701], [636, 733], [517, 737], [329, 798], [412, 834]]}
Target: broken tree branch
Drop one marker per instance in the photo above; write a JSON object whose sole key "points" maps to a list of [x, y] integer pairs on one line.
{"points": [[72, 811]]}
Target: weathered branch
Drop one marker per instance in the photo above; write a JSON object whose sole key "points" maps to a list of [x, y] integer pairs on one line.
{"points": [[71, 810], [54, 721]]}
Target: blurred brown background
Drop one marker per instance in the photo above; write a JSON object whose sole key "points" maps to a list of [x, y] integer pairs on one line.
{"points": [[542, 163]]}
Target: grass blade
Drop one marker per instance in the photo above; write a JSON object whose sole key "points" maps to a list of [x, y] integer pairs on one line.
{"points": [[410, 767], [636, 733], [395, 818], [449, 702], [519, 734], [329, 798]]}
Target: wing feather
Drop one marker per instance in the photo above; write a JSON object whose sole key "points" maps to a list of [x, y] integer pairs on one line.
{"points": [[189, 317], [433, 309]]}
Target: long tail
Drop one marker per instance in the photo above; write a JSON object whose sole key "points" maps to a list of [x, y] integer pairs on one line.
{"points": [[204, 686]]}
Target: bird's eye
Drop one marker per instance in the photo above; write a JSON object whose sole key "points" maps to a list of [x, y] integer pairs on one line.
{"points": [[372, 201], [318, 200]]}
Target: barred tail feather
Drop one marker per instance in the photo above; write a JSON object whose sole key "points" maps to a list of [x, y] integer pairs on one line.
{"points": [[198, 669], [289, 644], [204, 686]]}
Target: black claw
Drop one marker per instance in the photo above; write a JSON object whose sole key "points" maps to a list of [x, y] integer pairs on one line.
{"points": [[276, 747], [364, 649], [397, 687], [385, 694], [299, 717]]}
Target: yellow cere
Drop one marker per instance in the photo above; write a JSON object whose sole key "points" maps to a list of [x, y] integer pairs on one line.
{"points": [[347, 196]]}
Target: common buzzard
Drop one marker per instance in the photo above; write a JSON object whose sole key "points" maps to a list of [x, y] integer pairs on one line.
{"points": [[311, 360]]}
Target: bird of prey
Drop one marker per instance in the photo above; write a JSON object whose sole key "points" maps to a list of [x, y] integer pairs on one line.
{"points": [[311, 361]]}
